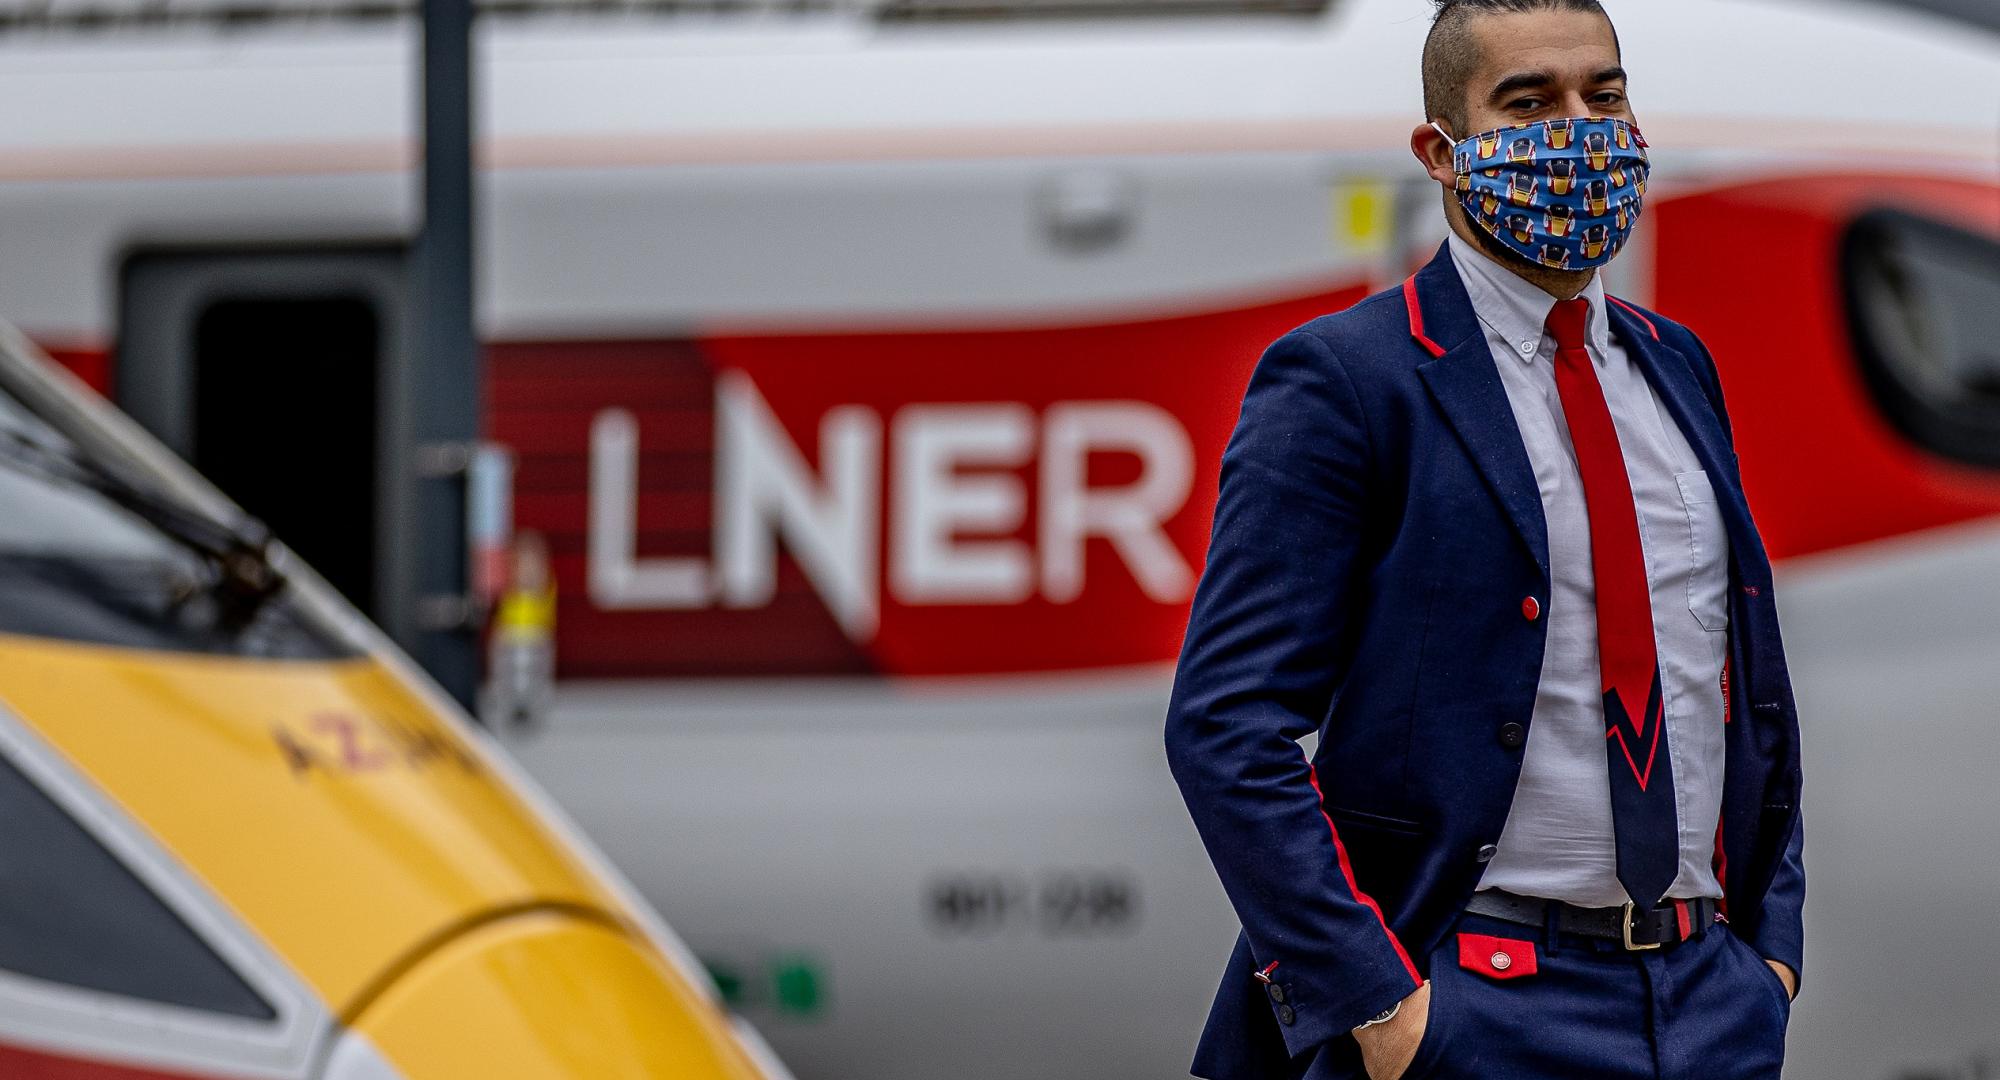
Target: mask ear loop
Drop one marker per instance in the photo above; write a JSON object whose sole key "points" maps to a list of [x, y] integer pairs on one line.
{"points": [[1451, 144]]}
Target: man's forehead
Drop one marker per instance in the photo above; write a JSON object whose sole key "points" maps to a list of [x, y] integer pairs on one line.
{"points": [[1558, 44]]}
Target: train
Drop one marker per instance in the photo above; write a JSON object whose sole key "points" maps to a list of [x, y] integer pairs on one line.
{"points": [[246, 838], [866, 365]]}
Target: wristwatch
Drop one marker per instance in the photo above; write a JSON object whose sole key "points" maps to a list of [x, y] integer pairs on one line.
{"points": [[1384, 1016]]}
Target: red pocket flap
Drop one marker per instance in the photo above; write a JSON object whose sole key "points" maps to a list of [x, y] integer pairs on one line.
{"points": [[1496, 957]]}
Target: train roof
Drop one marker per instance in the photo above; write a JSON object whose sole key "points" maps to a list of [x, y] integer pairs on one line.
{"points": [[113, 16], [837, 83]]}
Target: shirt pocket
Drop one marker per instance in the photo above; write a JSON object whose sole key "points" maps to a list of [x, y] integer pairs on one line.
{"points": [[1708, 540]]}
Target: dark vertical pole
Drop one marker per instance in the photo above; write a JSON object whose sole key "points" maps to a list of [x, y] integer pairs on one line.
{"points": [[443, 403]]}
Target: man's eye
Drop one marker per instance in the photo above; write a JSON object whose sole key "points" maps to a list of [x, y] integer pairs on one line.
{"points": [[1610, 98], [1525, 104]]}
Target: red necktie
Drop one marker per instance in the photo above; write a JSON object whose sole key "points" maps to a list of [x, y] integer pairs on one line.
{"points": [[1642, 781]]}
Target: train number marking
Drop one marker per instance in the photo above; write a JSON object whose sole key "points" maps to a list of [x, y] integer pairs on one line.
{"points": [[351, 743], [1058, 903], [355, 754]]}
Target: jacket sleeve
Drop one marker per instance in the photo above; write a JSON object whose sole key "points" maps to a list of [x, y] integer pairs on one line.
{"points": [[1780, 930], [1258, 669]]}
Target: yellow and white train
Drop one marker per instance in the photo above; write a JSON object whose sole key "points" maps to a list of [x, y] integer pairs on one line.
{"points": [[245, 838]]}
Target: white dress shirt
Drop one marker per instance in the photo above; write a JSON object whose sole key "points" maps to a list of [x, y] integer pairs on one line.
{"points": [[1557, 842]]}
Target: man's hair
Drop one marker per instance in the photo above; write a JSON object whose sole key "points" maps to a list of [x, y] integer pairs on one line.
{"points": [[1451, 53]]}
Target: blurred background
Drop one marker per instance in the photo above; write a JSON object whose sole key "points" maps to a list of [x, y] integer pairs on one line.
{"points": [[816, 513]]}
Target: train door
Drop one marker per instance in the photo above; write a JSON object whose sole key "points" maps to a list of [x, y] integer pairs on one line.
{"points": [[275, 373]]}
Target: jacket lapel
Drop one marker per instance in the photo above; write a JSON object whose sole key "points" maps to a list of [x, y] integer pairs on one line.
{"points": [[1673, 377], [1467, 387]]}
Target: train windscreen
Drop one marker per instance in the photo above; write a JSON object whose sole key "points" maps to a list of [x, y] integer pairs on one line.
{"points": [[88, 553]]}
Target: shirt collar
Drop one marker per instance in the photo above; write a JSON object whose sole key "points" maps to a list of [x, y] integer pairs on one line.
{"points": [[1517, 310]]}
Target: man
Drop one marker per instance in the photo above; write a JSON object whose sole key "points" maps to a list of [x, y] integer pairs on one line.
{"points": [[1486, 535]]}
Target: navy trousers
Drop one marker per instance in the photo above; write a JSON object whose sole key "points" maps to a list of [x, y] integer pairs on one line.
{"points": [[1511, 1002]]}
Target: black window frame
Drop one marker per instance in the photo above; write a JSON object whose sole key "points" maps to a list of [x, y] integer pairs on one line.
{"points": [[1966, 429]]}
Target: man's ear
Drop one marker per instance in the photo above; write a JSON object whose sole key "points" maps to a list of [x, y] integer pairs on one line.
{"points": [[1434, 151]]}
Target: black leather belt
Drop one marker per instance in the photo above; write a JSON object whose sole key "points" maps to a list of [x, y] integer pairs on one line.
{"points": [[1671, 922]]}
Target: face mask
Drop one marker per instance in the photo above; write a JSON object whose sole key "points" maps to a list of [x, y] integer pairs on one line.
{"points": [[1562, 193]]}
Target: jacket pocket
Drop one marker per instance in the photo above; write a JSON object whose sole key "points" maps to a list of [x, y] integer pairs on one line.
{"points": [[1384, 853], [1378, 822]]}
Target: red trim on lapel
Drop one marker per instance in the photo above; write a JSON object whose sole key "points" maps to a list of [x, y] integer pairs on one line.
{"points": [[1637, 314], [1416, 309], [1496, 957]]}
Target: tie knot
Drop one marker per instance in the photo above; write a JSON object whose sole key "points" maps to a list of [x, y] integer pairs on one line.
{"points": [[1567, 321]]}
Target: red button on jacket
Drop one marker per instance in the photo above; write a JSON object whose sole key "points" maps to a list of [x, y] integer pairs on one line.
{"points": [[1496, 957], [1531, 608]]}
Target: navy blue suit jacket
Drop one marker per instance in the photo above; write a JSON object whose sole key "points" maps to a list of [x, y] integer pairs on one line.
{"points": [[1377, 529]]}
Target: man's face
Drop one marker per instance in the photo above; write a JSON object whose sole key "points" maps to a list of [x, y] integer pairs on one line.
{"points": [[1543, 65], [1532, 67]]}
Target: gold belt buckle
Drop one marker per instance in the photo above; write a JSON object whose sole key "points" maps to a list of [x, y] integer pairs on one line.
{"points": [[1631, 909]]}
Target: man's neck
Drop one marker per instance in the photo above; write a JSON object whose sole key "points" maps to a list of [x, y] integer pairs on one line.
{"points": [[1561, 284]]}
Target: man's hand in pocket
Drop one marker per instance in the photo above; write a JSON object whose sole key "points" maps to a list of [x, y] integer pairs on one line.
{"points": [[1785, 976], [1388, 1048]]}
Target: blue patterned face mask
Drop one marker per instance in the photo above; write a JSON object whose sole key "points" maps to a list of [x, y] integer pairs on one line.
{"points": [[1562, 193]]}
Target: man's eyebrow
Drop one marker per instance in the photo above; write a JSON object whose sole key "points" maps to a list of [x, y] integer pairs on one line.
{"points": [[1535, 80], [1526, 80]]}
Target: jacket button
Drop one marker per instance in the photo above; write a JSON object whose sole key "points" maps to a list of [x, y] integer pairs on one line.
{"points": [[1531, 609], [1501, 961], [1487, 851], [1277, 993], [1512, 736], [1285, 1015]]}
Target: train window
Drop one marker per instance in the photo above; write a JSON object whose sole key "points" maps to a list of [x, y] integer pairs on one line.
{"points": [[71, 913], [1923, 304]]}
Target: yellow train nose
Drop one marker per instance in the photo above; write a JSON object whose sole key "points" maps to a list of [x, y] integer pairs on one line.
{"points": [[548, 994]]}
